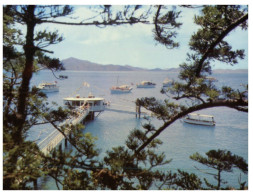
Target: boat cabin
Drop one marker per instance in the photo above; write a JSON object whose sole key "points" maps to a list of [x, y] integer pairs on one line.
{"points": [[167, 82], [211, 79], [47, 85], [94, 104], [201, 117], [146, 84]]}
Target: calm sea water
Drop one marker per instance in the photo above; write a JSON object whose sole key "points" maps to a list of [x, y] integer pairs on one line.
{"points": [[180, 140]]}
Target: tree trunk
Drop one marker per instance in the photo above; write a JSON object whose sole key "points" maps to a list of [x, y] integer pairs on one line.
{"points": [[27, 74], [23, 92], [219, 179]]}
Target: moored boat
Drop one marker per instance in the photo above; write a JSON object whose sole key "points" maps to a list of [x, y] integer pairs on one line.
{"points": [[167, 82], [146, 84], [199, 119], [48, 87], [211, 79], [121, 89], [63, 76]]}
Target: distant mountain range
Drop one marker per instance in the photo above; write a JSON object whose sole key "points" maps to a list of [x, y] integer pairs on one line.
{"points": [[76, 64], [85, 65], [230, 71]]}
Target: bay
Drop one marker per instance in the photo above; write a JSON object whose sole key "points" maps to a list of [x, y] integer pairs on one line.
{"points": [[180, 140]]}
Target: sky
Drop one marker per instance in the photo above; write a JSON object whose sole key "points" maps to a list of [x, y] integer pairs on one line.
{"points": [[133, 45]]}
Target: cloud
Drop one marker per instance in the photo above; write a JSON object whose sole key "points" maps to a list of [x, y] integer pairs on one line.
{"points": [[127, 44], [94, 35], [88, 35]]}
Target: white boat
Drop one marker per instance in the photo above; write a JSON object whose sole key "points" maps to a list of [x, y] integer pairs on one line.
{"points": [[146, 84], [48, 87], [121, 89], [63, 76], [167, 82], [211, 79], [199, 119]]}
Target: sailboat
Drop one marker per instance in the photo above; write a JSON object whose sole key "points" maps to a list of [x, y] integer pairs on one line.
{"points": [[118, 89]]}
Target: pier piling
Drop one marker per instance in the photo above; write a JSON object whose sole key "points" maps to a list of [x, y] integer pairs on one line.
{"points": [[66, 143], [138, 111], [35, 184]]}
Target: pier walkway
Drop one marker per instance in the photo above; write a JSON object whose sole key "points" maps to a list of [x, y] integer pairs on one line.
{"points": [[128, 110], [55, 137]]}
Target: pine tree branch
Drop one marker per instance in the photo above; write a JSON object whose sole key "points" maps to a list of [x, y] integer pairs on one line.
{"points": [[87, 167], [44, 50], [219, 103], [205, 171], [96, 23], [218, 40], [189, 97], [156, 22]]}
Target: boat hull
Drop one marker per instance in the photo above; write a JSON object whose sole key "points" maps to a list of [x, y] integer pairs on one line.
{"points": [[196, 122], [115, 91], [167, 84], [50, 90], [121, 89], [145, 86]]}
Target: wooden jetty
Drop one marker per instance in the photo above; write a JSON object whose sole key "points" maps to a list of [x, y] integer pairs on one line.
{"points": [[137, 112], [84, 107]]}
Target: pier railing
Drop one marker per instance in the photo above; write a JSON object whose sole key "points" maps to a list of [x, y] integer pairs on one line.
{"points": [[56, 137], [130, 110]]}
